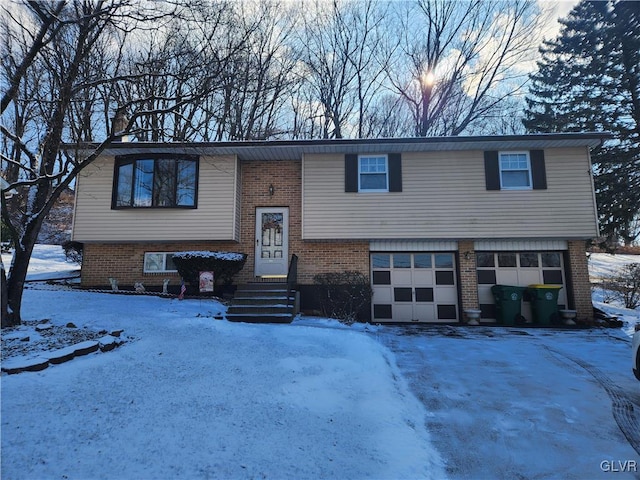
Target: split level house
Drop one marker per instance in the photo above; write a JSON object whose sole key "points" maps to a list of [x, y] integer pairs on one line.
{"points": [[433, 223]]}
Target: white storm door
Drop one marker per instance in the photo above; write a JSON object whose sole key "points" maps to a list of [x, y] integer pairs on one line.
{"points": [[272, 242]]}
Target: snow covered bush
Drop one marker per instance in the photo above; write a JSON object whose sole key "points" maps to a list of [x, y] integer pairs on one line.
{"points": [[224, 265], [625, 285], [343, 295]]}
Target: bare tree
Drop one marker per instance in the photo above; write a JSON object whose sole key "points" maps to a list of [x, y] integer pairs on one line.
{"points": [[48, 27], [58, 77], [340, 47], [258, 80], [461, 60]]}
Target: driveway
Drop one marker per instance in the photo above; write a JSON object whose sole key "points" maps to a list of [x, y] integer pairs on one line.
{"points": [[515, 403]]}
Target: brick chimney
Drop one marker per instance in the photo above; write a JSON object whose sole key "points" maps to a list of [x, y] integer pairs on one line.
{"points": [[119, 124]]}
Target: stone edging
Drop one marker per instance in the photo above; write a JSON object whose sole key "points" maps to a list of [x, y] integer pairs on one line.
{"points": [[61, 355]]}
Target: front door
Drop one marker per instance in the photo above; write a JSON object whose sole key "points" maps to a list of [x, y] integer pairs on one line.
{"points": [[272, 241]]}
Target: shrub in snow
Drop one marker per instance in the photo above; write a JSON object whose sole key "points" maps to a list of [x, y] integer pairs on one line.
{"points": [[343, 295], [625, 285], [73, 251], [224, 265], [6, 237]]}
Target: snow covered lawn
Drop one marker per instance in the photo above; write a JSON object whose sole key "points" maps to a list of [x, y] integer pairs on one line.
{"points": [[193, 397]]}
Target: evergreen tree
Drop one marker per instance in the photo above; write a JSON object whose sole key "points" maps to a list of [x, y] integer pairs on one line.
{"points": [[589, 80]]}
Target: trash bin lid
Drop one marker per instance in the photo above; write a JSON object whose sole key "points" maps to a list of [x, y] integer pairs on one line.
{"points": [[540, 285]]}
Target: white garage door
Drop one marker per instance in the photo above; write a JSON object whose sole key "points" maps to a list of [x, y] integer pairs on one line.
{"points": [[519, 269], [414, 287]]}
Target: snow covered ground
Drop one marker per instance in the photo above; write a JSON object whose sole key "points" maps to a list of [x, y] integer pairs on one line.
{"points": [[188, 396], [192, 397]]}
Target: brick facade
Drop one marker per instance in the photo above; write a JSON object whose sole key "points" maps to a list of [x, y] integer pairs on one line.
{"points": [[578, 271], [468, 275], [125, 261]]}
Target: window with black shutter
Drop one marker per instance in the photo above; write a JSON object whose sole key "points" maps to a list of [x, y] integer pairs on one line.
{"points": [[515, 170], [373, 173]]}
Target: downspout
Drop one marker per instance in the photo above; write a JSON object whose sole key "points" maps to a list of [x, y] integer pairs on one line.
{"points": [[593, 189]]}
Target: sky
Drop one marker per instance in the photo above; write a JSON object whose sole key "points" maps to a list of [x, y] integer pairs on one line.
{"points": [[559, 9]]}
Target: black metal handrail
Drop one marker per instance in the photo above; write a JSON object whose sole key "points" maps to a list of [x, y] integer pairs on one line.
{"points": [[292, 276]]}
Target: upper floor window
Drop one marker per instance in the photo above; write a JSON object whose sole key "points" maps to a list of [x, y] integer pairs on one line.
{"points": [[162, 181], [373, 173], [515, 170]]}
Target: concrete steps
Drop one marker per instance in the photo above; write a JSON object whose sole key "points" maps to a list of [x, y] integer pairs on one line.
{"points": [[262, 303]]}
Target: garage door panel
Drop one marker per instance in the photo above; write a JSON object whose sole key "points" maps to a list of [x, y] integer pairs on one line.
{"points": [[484, 294], [447, 312], [552, 277], [506, 277], [424, 294], [403, 294], [382, 312], [401, 277], [445, 278], [402, 313], [423, 277], [381, 278], [425, 312], [529, 277], [446, 295], [381, 295]]}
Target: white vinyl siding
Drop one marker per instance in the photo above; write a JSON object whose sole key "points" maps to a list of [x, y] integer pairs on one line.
{"points": [[519, 245], [445, 197], [214, 219], [413, 245]]}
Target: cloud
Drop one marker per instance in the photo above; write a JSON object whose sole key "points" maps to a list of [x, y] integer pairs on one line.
{"points": [[556, 9]]}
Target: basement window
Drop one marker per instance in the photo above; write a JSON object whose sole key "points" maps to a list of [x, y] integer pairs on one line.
{"points": [[159, 262]]}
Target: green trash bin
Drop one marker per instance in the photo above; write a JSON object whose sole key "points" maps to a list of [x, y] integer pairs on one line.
{"points": [[508, 299], [544, 303]]}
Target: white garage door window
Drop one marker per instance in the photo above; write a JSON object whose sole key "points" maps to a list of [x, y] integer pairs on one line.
{"points": [[414, 287], [520, 269]]}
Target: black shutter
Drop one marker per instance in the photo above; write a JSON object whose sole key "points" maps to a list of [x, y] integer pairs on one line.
{"points": [[395, 172], [538, 170], [351, 173], [491, 170]]}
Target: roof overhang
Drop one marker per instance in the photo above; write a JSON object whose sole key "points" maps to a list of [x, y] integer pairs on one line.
{"points": [[295, 149]]}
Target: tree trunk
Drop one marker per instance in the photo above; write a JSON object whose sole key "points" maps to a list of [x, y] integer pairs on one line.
{"points": [[15, 281], [15, 284], [3, 294]]}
